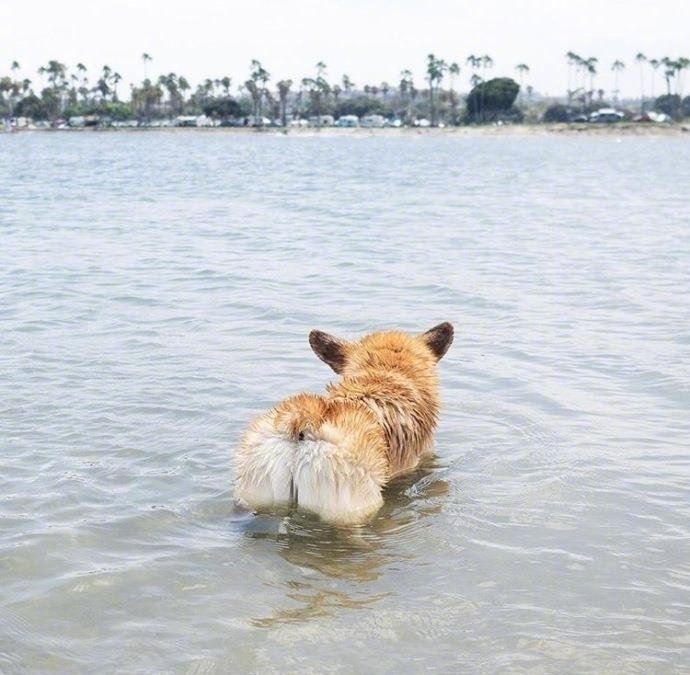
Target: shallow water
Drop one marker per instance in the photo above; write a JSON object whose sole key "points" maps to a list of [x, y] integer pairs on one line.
{"points": [[156, 290]]}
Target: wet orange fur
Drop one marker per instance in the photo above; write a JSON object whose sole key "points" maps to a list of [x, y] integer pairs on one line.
{"points": [[379, 417]]}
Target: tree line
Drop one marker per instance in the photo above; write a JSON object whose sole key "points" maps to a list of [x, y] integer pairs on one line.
{"points": [[63, 91]]}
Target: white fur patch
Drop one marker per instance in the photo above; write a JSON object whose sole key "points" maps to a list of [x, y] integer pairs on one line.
{"points": [[272, 470]]}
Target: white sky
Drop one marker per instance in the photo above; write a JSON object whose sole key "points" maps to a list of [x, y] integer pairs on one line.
{"points": [[370, 40]]}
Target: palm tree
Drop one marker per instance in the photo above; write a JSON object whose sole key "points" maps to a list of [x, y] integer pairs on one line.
{"points": [[315, 88], [259, 74], [169, 82], [226, 82], [348, 84], [669, 72], [337, 90], [254, 94], [682, 64], [641, 59], [283, 91], [522, 70], [434, 74], [474, 62], [318, 88], [56, 73], [146, 58], [654, 63], [453, 72], [591, 70], [13, 89], [82, 81], [617, 67], [487, 62], [572, 61], [183, 85], [583, 67], [385, 88], [147, 96], [103, 83], [6, 88], [116, 77], [406, 86]]}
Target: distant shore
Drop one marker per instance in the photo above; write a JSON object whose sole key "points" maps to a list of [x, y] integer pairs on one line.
{"points": [[556, 129]]}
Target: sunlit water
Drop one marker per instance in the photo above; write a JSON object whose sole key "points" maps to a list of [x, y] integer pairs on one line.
{"points": [[156, 290]]}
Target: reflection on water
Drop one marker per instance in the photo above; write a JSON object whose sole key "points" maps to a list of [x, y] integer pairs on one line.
{"points": [[353, 553], [156, 292], [314, 603]]}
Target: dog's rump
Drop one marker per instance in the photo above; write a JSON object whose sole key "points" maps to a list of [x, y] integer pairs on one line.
{"points": [[314, 474]]}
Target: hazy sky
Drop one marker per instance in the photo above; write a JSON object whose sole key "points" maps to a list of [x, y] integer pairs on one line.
{"points": [[369, 40]]}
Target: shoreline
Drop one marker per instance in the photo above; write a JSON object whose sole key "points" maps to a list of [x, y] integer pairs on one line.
{"points": [[555, 129]]}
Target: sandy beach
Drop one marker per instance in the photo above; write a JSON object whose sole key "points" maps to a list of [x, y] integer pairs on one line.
{"points": [[531, 130]]}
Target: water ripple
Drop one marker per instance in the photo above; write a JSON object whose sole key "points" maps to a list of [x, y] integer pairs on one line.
{"points": [[163, 296]]}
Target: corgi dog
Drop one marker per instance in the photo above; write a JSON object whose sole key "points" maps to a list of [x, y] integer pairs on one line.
{"points": [[332, 454]]}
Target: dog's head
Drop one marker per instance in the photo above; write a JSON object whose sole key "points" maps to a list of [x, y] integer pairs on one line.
{"points": [[386, 350]]}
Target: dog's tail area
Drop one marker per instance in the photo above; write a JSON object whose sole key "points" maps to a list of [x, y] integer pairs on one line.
{"points": [[294, 455]]}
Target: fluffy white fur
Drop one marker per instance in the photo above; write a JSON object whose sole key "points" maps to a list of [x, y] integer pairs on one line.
{"points": [[275, 470]]}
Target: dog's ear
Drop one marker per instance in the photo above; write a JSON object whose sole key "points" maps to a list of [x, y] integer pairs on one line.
{"points": [[329, 349], [439, 339]]}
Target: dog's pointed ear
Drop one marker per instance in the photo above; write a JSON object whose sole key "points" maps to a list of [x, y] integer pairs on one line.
{"points": [[329, 349], [439, 339]]}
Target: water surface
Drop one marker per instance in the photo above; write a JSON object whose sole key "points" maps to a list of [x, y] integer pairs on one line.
{"points": [[156, 291]]}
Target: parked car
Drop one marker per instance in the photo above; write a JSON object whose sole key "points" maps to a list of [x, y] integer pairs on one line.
{"points": [[606, 116], [256, 121], [347, 121], [185, 121], [373, 121], [160, 124], [322, 120]]}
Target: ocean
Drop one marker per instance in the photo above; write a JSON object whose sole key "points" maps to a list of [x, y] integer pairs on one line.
{"points": [[156, 292]]}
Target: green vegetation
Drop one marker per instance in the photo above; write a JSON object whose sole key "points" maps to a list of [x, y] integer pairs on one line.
{"points": [[493, 100], [60, 92]]}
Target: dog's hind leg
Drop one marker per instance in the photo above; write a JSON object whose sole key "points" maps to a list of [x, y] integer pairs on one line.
{"points": [[330, 485], [263, 470]]}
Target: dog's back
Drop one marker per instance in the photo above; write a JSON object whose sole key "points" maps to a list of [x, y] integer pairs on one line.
{"points": [[332, 454]]}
